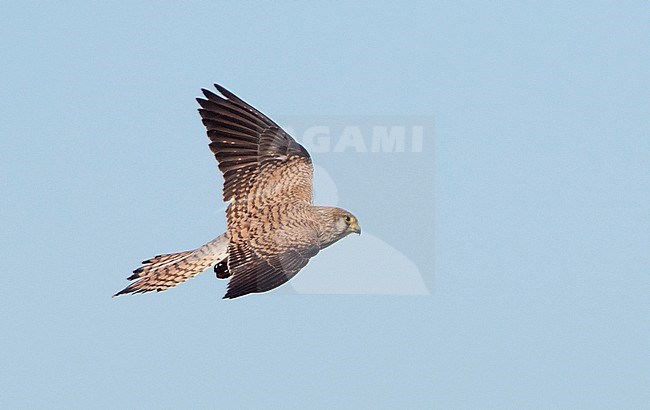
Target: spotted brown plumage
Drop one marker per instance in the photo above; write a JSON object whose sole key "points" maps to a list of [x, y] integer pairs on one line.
{"points": [[165, 271], [273, 228]]}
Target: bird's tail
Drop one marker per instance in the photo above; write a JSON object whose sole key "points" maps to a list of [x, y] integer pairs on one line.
{"points": [[166, 271]]}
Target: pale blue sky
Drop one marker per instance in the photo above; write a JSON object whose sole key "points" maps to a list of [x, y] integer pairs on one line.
{"points": [[527, 218]]}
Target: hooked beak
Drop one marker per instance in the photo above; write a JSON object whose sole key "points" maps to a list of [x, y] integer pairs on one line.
{"points": [[355, 228]]}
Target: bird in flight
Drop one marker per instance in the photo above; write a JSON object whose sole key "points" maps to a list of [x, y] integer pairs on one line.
{"points": [[273, 227]]}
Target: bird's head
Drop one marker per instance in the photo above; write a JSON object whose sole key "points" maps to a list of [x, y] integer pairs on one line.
{"points": [[347, 223], [336, 223]]}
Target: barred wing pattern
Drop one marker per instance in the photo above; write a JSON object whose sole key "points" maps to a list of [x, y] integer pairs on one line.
{"points": [[268, 179], [250, 147]]}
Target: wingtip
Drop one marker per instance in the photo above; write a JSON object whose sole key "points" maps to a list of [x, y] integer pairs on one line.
{"points": [[226, 93], [209, 101], [234, 294], [203, 103]]}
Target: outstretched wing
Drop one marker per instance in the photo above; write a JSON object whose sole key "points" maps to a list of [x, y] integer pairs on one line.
{"points": [[255, 273], [268, 177], [256, 156]]}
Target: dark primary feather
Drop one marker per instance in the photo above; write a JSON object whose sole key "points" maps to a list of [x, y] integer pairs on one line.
{"points": [[257, 274], [242, 140]]}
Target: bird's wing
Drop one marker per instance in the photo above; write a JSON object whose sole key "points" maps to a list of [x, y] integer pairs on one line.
{"points": [[255, 273], [256, 156], [268, 177]]}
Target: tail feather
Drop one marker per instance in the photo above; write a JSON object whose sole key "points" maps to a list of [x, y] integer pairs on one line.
{"points": [[166, 271], [158, 262]]}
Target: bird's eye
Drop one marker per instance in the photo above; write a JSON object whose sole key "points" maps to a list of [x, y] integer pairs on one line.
{"points": [[348, 219]]}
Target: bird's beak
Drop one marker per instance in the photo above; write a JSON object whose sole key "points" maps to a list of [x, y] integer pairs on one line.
{"points": [[355, 228]]}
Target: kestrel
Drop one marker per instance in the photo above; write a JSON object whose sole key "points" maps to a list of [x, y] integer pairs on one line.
{"points": [[273, 227]]}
